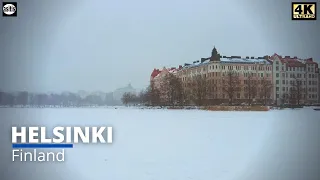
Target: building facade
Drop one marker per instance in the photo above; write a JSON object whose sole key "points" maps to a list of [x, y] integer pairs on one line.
{"points": [[295, 80], [276, 79]]}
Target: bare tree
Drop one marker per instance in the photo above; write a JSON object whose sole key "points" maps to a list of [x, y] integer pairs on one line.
{"points": [[153, 95], [178, 91], [172, 90], [296, 91], [187, 91], [231, 85], [250, 87], [284, 98], [143, 96], [266, 89], [199, 89], [211, 89], [126, 97]]}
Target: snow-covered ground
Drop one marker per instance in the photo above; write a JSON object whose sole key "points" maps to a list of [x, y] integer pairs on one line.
{"points": [[151, 144]]}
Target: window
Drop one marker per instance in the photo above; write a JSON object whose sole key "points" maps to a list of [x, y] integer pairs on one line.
{"points": [[277, 75], [283, 82], [283, 89], [277, 81]]}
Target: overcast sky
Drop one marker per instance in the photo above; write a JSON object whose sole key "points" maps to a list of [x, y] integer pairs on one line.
{"points": [[102, 45]]}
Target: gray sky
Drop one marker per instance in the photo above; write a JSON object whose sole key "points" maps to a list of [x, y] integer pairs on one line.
{"points": [[102, 45]]}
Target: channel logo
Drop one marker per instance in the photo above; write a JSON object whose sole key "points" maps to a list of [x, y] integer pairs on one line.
{"points": [[9, 9]]}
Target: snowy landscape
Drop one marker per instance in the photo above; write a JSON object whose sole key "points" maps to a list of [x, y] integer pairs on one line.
{"points": [[170, 144]]}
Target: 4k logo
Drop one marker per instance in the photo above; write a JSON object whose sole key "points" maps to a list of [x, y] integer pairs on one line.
{"points": [[304, 11]]}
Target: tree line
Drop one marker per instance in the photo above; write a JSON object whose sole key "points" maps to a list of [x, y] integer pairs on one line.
{"points": [[202, 90], [25, 98]]}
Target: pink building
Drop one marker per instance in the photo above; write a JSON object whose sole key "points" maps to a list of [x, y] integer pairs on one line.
{"points": [[157, 78]]}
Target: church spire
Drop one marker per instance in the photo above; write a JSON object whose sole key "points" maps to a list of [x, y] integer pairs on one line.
{"points": [[215, 56]]}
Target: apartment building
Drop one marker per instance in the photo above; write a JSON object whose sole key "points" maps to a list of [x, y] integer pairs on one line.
{"points": [[295, 80], [216, 71], [276, 79], [157, 77]]}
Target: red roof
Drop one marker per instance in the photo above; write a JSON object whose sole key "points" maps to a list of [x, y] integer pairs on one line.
{"points": [[292, 61], [155, 72]]}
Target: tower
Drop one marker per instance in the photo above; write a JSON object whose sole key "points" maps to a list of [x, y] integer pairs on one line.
{"points": [[215, 56]]}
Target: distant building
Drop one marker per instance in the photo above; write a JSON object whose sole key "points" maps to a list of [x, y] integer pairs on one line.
{"points": [[282, 73], [118, 93]]}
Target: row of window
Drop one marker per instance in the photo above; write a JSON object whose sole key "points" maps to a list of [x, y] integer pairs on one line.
{"points": [[224, 67], [291, 75], [298, 82], [302, 96], [310, 69], [301, 90], [217, 74]]}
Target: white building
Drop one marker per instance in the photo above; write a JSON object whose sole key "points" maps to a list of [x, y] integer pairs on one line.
{"points": [[291, 74]]}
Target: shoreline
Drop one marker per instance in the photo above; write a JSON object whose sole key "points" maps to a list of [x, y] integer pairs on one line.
{"points": [[203, 108]]}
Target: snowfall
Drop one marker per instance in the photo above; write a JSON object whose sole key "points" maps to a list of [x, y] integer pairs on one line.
{"points": [[157, 144]]}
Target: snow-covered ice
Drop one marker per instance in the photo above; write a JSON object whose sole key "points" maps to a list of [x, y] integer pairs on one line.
{"points": [[151, 144]]}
